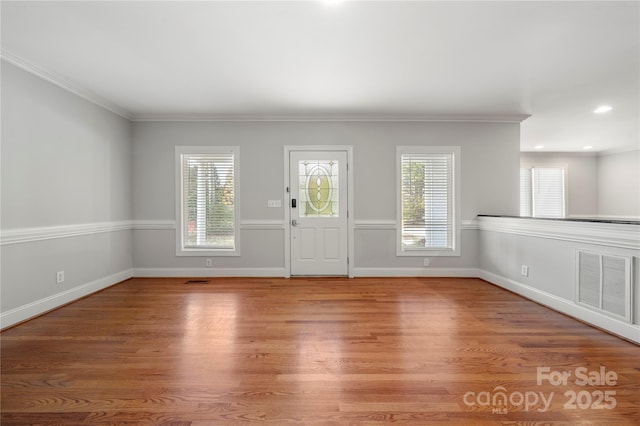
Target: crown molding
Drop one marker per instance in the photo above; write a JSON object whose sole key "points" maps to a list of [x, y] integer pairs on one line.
{"points": [[96, 99], [615, 151], [477, 118], [64, 83]]}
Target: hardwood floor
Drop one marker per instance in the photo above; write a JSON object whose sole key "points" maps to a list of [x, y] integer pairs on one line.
{"points": [[314, 351]]}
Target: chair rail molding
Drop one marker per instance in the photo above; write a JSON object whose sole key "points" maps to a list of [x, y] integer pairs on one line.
{"points": [[599, 233], [41, 233]]}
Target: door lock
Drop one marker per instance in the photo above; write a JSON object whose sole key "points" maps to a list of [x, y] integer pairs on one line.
{"points": [[294, 222]]}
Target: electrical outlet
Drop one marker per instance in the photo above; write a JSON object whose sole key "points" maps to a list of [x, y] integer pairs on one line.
{"points": [[426, 262], [209, 262], [59, 277], [524, 270]]}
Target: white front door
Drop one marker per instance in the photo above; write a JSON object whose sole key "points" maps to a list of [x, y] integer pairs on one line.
{"points": [[318, 212]]}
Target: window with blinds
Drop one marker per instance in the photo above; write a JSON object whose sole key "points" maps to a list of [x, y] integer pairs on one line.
{"points": [[427, 201], [542, 191], [207, 206]]}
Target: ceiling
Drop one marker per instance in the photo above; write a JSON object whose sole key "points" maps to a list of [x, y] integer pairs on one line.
{"points": [[553, 62]]}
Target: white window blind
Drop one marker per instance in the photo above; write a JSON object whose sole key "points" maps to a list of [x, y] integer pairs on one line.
{"points": [[427, 201], [525, 192], [208, 208], [542, 192]]}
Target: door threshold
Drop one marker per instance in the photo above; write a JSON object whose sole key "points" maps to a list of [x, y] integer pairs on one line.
{"points": [[319, 276]]}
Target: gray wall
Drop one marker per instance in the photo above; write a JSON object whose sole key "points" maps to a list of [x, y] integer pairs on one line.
{"points": [[582, 179], [88, 192], [66, 194], [490, 154], [619, 184], [599, 184]]}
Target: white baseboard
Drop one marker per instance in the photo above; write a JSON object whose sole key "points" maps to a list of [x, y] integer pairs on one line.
{"points": [[623, 329], [280, 272], [417, 272], [208, 272], [39, 307]]}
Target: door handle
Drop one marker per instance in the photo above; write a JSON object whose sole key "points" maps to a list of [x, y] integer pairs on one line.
{"points": [[293, 203], [294, 222]]}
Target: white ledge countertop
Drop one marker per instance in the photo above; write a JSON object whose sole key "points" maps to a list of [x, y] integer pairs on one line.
{"points": [[623, 221]]}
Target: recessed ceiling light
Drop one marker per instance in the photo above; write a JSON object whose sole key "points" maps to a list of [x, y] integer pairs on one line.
{"points": [[538, 147], [587, 147], [602, 109]]}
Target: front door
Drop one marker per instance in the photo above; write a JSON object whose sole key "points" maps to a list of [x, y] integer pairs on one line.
{"points": [[318, 207]]}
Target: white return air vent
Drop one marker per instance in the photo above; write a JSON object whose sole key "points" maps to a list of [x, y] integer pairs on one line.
{"points": [[603, 283]]}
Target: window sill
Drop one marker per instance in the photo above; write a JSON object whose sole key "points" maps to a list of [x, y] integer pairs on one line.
{"points": [[428, 253], [207, 253]]}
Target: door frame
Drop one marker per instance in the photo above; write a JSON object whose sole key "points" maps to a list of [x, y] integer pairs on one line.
{"points": [[287, 197]]}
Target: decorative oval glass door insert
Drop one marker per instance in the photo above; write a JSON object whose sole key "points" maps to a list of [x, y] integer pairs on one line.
{"points": [[318, 188]]}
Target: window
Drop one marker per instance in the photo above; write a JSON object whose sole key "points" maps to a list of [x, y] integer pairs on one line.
{"points": [[428, 200], [318, 188], [207, 207], [542, 191]]}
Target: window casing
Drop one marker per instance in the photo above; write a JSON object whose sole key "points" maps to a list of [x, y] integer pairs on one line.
{"points": [[428, 184], [207, 201], [542, 191]]}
